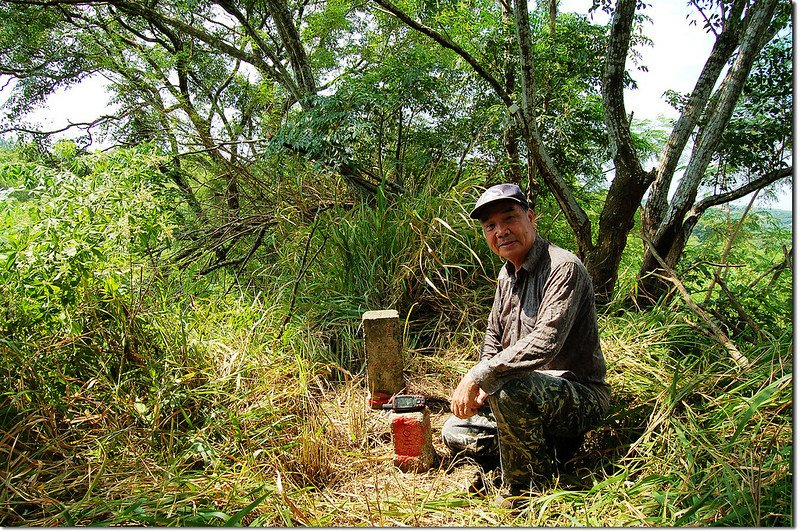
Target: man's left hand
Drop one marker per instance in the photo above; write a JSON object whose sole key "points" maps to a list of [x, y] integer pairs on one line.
{"points": [[467, 398]]}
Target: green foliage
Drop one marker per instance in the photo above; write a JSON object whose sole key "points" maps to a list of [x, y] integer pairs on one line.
{"points": [[51, 52], [763, 292], [420, 255], [568, 85], [414, 112], [758, 137], [78, 235], [137, 394], [407, 118]]}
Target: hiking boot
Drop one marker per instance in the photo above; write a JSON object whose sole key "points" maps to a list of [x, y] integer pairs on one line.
{"points": [[477, 485], [481, 480], [513, 498], [488, 463]]}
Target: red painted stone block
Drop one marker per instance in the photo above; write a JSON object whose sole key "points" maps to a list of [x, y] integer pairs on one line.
{"points": [[413, 445]]}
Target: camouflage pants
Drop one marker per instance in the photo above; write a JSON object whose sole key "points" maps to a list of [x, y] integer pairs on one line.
{"points": [[531, 420]]}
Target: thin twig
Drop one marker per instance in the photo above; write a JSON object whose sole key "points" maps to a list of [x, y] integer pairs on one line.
{"points": [[241, 260], [729, 245], [303, 268], [738, 306], [718, 333], [244, 260], [777, 268]]}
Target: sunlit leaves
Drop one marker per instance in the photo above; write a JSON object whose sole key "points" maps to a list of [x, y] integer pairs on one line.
{"points": [[758, 138], [66, 232]]}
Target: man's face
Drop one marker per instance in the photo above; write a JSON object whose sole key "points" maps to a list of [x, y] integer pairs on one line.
{"points": [[509, 230]]}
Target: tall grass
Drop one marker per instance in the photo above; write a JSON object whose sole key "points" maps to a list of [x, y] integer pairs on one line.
{"points": [[699, 454], [139, 394], [420, 255]]}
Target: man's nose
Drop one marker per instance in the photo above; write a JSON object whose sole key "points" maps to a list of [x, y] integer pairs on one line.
{"points": [[501, 229]]}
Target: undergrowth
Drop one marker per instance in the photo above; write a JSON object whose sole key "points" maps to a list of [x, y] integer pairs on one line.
{"points": [[137, 393]]}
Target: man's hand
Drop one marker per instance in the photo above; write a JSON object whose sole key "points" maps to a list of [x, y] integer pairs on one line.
{"points": [[467, 398]]}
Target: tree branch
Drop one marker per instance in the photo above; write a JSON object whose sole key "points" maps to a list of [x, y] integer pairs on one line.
{"points": [[738, 306], [450, 45], [241, 261], [80, 125], [253, 34], [737, 356], [729, 245], [576, 216], [776, 269], [705, 17], [304, 265], [272, 71], [619, 132], [290, 38], [757, 184], [714, 126], [724, 45]]}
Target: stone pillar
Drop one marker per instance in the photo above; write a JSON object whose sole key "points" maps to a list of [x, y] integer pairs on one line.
{"points": [[383, 340], [413, 445]]}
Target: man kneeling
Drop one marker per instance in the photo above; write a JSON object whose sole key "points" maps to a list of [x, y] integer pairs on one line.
{"points": [[540, 383]]}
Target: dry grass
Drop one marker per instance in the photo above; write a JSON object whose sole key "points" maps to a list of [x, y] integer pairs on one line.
{"points": [[265, 438], [370, 490]]}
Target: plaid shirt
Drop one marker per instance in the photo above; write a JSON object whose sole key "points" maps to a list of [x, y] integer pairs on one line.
{"points": [[543, 319]]}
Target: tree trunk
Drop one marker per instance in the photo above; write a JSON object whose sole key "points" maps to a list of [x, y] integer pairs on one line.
{"points": [[524, 115], [670, 237], [656, 206], [511, 135], [630, 180], [290, 38]]}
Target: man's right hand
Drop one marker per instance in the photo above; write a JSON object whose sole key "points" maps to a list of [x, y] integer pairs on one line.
{"points": [[467, 398]]}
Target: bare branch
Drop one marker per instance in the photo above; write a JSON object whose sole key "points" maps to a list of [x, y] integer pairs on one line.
{"points": [[757, 184], [737, 356], [70, 125], [304, 265], [224, 144], [729, 245], [705, 17], [776, 269]]}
